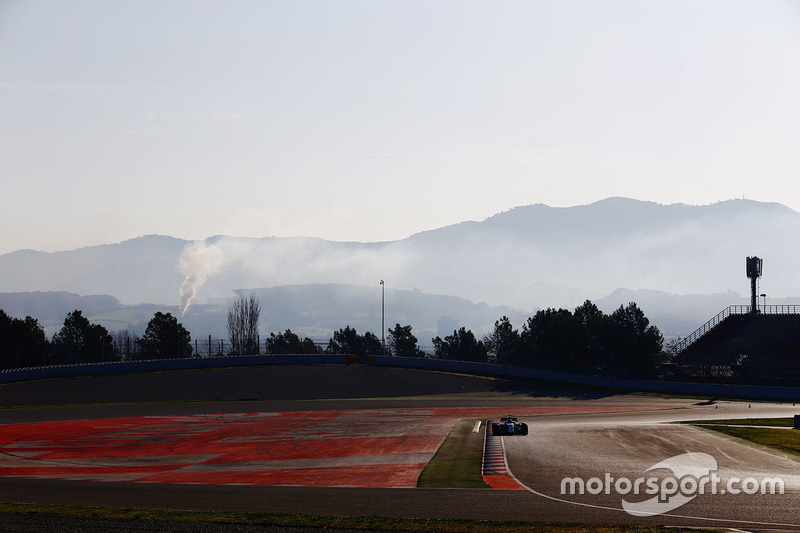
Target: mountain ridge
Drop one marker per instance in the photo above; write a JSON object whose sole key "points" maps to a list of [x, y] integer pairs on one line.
{"points": [[528, 257]]}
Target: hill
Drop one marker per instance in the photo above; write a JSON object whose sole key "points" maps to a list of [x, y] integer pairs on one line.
{"points": [[527, 258], [52, 307], [314, 310], [139, 270]]}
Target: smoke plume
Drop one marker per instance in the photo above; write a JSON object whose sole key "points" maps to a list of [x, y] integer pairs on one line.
{"points": [[198, 261]]}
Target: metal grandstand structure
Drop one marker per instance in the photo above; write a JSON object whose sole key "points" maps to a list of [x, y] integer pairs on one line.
{"points": [[745, 340], [684, 343]]}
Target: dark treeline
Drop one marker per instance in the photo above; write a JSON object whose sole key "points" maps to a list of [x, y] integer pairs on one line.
{"points": [[23, 342], [586, 341]]}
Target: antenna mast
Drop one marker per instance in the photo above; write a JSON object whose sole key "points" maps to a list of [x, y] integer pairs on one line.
{"points": [[754, 268]]}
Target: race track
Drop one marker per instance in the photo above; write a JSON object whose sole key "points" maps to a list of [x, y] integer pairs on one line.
{"points": [[627, 445], [352, 445]]}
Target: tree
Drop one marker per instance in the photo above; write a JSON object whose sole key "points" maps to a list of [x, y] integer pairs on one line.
{"points": [[22, 342], [79, 341], [348, 341], [671, 350], [31, 341], [243, 318], [593, 325], [551, 339], [633, 341], [289, 343], [504, 342], [165, 338], [461, 345], [402, 343]]}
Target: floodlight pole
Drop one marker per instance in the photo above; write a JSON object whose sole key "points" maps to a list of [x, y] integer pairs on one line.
{"points": [[383, 317], [755, 267]]}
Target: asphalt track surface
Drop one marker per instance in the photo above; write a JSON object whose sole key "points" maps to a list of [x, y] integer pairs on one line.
{"points": [[573, 434]]}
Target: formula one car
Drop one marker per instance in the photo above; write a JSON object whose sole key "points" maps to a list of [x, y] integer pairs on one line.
{"points": [[509, 425]]}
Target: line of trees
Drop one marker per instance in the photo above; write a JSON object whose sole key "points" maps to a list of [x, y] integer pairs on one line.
{"points": [[586, 340], [23, 342]]}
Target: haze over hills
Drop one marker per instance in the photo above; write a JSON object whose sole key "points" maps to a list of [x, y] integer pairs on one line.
{"points": [[527, 258], [313, 310]]}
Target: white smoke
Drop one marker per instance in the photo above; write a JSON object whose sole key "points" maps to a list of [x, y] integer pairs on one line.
{"points": [[198, 261]]}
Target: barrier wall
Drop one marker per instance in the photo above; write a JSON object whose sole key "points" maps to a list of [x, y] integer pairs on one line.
{"points": [[754, 392], [666, 387], [95, 369]]}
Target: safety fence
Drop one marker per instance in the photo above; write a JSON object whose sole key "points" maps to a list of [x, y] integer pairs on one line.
{"points": [[128, 349]]}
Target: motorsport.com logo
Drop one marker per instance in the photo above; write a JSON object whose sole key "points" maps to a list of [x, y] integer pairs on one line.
{"points": [[692, 474]]}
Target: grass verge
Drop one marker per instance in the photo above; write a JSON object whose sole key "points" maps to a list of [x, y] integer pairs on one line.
{"points": [[323, 521], [457, 462], [779, 422], [748, 429], [780, 439]]}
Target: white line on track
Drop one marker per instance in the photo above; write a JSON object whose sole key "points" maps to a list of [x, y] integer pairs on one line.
{"points": [[537, 493], [605, 507]]}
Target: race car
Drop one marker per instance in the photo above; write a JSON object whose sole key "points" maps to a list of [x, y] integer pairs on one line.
{"points": [[509, 425]]}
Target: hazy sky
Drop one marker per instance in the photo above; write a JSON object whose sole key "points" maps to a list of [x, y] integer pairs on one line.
{"points": [[375, 119]]}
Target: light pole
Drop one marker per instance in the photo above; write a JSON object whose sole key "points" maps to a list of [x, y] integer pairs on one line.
{"points": [[383, 316], [765, 302]]}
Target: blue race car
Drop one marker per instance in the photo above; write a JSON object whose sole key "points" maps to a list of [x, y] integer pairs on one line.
{"points": [[509, 425]]}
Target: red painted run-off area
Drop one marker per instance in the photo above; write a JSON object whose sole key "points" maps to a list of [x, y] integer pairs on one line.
{"points": [[362, 448]]}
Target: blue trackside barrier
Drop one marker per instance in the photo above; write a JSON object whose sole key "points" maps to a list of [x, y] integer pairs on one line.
{"points": [[755, 392]]}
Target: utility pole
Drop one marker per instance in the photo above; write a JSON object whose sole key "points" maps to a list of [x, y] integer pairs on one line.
{"points": [[383, 318]]}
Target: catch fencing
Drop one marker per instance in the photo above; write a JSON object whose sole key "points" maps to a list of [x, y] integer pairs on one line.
{"points": [[129, 350]]}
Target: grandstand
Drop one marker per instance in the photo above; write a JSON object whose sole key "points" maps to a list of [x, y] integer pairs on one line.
{"points": [[745, 341], [761, 343]]}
